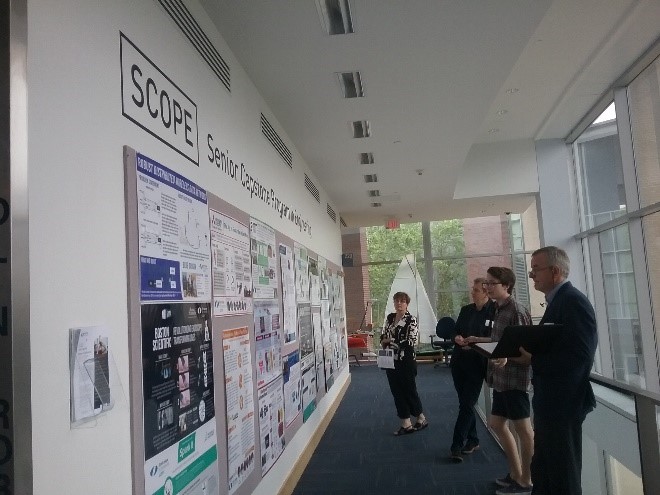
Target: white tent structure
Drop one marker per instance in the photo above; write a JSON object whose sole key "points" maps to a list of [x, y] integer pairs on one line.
{"points": [[407, 280]]}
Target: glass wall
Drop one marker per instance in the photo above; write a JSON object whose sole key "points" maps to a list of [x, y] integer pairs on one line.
{"points": [[618, 182], [460, 251]]}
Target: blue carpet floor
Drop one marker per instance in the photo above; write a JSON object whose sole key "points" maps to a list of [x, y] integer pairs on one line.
{"points": [[358, 453]]}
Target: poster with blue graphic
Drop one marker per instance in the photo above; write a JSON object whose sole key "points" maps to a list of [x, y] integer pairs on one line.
{"points": [[174, 235]]}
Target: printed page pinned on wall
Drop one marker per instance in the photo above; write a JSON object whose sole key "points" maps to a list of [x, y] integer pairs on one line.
{"points": [[174, 235], [94, 380]]}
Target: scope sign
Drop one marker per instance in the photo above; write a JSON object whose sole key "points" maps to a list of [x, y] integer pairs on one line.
{"points": [[151, 100]]}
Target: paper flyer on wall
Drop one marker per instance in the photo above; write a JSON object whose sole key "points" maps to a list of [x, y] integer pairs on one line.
{"points": [[232, 269], [314, 282], [323, 278], [289, 323], [264, 260], [292, 387], [240, 406], [173, 222], [318, 348], [302, 272], [90, 372], [271, 423], [268, 341], [179, 408]]}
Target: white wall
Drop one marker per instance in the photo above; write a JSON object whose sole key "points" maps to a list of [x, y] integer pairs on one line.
{"points": [[76, 203], [558, 211], [497, 169]]}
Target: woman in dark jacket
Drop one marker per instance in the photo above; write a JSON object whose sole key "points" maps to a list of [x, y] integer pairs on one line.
{"points": [[400, 333]]}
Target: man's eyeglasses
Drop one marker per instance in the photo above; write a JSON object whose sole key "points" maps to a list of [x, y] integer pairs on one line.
{"points": [[489, 284], [534, 271]]}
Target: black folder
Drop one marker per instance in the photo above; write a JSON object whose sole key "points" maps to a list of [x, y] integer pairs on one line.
{"points": [[536, 339]]}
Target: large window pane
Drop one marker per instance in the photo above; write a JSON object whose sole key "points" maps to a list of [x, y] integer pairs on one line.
{"points": [[622, 309], [651, 232], [644, 102], [598, 157]]}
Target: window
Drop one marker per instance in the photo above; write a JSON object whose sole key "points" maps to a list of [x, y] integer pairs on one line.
{"points": [[598, 158]]}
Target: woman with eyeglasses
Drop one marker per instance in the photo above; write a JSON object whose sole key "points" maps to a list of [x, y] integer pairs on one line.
{"points": [[400, 333]]}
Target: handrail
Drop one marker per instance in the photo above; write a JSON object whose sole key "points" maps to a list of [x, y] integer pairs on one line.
{"points": [[624, 388], [646, 412]]}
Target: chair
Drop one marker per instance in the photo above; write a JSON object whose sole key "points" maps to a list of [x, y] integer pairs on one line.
{"points": [[443, 340], [359, 345]]}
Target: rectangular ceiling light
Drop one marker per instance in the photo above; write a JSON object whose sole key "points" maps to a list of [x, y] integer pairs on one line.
{"points": [[373, 193], [351, 84], [361, 129], [376, 205], [371, 178], [335, 16], [366, 158]]}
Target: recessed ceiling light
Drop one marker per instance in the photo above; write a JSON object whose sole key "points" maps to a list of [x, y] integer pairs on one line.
{"points": [[376, 205], [373, 193], [512, 90], [502, 112], [335, 16], [371, 178], [493, 131], [366, 158], [361, 129], [351, 84]]}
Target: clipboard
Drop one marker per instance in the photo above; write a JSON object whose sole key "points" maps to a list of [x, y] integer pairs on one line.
{"points": [[536, 339]]}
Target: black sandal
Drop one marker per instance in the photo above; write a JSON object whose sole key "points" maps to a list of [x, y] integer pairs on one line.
{"points": [[420, 425], [404, 431]]}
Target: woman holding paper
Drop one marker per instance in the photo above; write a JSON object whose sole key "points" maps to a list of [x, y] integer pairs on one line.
{"points": [[400, 333]]}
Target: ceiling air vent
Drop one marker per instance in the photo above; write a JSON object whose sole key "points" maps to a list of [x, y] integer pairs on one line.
{"points": [[335, 16], [191, 30], [360, 129], [351, 84], [376, 205], [331, 213], [366, 158], [371, 178], [342, 222], [275, 139], [373, 193], [312, 188]]}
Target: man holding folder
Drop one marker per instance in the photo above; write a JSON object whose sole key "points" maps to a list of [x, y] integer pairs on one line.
{"points": [[562, 391]]}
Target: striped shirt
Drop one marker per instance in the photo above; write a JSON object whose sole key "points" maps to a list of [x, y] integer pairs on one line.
{"points": [[513, 376]]}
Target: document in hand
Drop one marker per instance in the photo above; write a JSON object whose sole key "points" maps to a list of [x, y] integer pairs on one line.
{"points": [[536, 339]]}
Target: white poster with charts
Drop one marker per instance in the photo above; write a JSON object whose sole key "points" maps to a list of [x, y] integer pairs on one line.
{"points": [[174, 237], [240, 406], [232, 271], [264, 260]]}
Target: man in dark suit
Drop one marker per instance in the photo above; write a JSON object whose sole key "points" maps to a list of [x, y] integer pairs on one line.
{"points": [[562, 391]]}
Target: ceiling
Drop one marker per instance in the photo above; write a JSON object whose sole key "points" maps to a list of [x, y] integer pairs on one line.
{"points": [[455, 92]]}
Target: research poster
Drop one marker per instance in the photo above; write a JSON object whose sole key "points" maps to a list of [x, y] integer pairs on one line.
{"points": [[314, 282], [323, 278], [231, 267], [327, 345], [174, 237], [268, 343], [179, 410], [288, 294], [264, 260], [271, 423], [302, 272], [292, 387], [318, 348], [240, 406]]}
